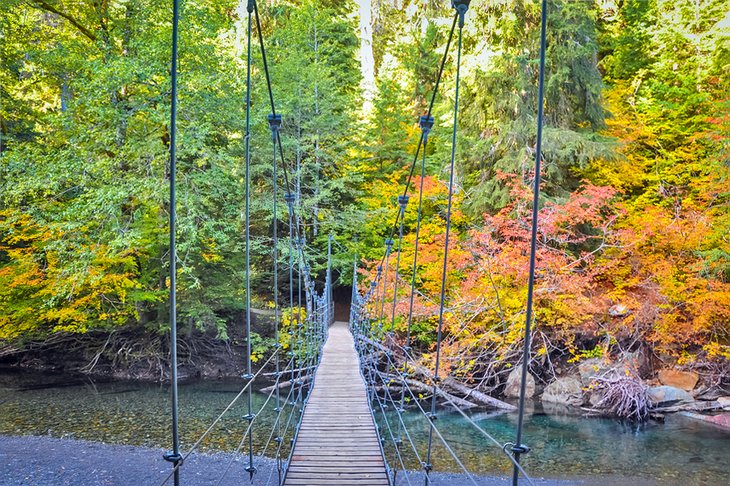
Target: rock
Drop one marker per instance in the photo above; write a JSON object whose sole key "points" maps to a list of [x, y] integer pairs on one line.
{"points": [[721, 420], [627, 364], [724, 402], [565, 391], [662, 396], [596, 396], [512, 387], [710, 393], [618, 310], [686, 380], [590, 369]]}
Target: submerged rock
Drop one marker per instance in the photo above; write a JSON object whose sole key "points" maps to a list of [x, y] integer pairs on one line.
{"points": [[662, 396], [565, 391], [512, 387], [686, 380]]}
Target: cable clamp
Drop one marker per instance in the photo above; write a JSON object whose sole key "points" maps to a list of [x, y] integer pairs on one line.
{"points": [[520, 449], [278, 440], [172, 457], [431, 416], [247, 376], [427, 466], [461, 7], [249, 417], [289, 198], [426, 124], [274, 122], [389, 243], [250, 6], [251, 470], [403, 202]]}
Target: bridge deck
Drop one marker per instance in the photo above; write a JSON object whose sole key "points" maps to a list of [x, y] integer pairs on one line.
{"points": [[337, 442]]}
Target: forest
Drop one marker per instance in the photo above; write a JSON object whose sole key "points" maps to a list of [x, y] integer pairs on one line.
{"points": [[634, 227]]}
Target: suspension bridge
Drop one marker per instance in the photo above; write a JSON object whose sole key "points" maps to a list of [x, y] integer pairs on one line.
{"points": [[340, 423]]}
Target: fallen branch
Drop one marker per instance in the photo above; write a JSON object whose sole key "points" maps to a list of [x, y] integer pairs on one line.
{"points": [[286, 384], [480, 397]]}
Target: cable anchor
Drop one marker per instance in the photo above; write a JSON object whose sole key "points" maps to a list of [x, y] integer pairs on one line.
{"points": [[274, 124], [173, 458], [426, 124], [289, 198], [461, 7]]}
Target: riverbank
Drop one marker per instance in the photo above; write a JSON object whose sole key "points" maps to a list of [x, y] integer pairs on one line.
{"points": [[40, 461]]}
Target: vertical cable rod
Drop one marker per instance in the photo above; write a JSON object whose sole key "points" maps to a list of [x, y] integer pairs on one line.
{"points": [[174, 456], [461, 9], [249, 416], [275, 125], [518, 447]]}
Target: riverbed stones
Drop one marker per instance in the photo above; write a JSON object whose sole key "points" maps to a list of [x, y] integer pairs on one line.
{"points": [[686, 380], [512, 387], [664, 396], [565, 391]]}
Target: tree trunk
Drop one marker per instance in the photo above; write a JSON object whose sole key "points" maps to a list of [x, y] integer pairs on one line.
{"points": [[367, 60]]}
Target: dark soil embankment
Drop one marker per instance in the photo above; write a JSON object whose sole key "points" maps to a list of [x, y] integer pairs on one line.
{"points": [[139, 354]]}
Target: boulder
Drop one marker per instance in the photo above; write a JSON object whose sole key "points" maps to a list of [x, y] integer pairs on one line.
{"points": [[565, 391], [724, 402], [663, 396], [512, 387], [686, 380], [627, 364], [590, 369], [618, 310]]}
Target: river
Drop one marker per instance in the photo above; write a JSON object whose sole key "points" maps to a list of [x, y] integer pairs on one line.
{"points": [[680, 451]]}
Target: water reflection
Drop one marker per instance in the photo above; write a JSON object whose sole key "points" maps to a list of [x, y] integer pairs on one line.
{"points": [[679, 451]]}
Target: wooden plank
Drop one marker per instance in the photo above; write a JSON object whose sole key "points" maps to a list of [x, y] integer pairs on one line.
{"points": [[337, 442]]}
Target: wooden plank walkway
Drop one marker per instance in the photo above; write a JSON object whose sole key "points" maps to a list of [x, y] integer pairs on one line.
{"points": [[337, 442]]}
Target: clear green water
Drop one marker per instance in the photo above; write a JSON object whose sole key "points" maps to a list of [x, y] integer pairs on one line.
{"points": [[680, 451]]}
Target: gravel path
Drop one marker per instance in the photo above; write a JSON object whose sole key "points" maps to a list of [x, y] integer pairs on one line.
{"points": [[65, 462], [40, 461]]}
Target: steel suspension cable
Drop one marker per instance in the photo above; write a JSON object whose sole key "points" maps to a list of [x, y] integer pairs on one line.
{"points": [[174, 455], [247, 387], [396, 447], [381, 314], [428, 114], [518, 449], [274, 125], [275, 389], [249, 416], [432, 425], [402, 203], [481, 430], [461, 9]]}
